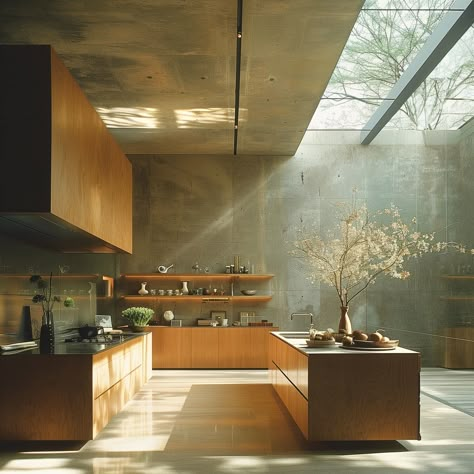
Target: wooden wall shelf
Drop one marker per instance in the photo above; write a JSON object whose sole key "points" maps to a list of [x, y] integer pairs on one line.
{"points": [[458, 277], [457, 298], [198, 276], [202, 298], [131, 280]]}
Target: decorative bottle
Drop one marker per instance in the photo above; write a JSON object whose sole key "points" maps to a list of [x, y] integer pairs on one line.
{"points": [[185, 289], [143, 291]]}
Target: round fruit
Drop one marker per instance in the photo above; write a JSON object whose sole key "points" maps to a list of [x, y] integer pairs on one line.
{"points": [[346, 340], [385, 339], [358, 335], [375, 336]]}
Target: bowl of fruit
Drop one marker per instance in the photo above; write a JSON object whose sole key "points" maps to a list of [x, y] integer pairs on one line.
{"points": [[373, 341]]}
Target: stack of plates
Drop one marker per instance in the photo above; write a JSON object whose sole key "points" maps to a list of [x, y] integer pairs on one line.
{"points": [[18, 345]]}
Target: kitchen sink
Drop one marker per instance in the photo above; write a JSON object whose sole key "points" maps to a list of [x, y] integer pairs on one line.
{"points": [[294, 335]]}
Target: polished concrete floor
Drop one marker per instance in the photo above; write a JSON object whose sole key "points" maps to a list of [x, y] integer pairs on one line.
{"points": [[231, 421]]}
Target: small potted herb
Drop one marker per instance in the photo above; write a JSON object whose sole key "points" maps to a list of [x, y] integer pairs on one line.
{"points": [[138, 316]]}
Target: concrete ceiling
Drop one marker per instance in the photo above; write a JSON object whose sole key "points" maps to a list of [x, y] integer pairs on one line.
{"points": [[162, 73]]}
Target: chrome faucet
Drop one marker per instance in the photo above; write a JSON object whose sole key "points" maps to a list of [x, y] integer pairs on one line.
{"points": [[303, 314]]}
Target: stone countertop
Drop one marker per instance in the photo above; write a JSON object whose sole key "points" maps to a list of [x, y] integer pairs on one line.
{"points": [[81, 348], [297, 339]]}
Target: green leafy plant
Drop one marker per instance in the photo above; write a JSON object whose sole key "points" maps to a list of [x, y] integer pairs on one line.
{"points": [[69, 302], [45, 295], [138, 315]]}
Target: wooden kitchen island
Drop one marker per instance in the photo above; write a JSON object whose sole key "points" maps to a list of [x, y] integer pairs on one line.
{"points": [[335, 394], [72, 394]]}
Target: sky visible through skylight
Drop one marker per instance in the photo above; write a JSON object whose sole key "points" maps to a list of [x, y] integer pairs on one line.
{"points": [[386, 37]]}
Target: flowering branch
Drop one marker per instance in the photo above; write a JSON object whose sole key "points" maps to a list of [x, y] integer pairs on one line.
{"points": [[364, 247]]}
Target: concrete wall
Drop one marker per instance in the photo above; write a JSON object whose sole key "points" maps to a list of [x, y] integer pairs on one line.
{"points": [[207, 209]]}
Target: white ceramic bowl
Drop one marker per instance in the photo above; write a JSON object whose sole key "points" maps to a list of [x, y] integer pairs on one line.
{"points": [[248, 292]]}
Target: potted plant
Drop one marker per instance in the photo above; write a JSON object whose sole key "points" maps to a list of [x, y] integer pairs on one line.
{"points": [[47, 299], [138, 316], [361, 248]]}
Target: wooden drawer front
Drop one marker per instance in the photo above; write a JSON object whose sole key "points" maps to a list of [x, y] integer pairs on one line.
{"points": [[280, 355], [281, 387], [108, 372], [116, 364], [302, 374], [298, 409], [292, 365], [112, 401]]}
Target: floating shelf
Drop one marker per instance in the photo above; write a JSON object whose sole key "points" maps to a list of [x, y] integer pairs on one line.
{"points": [[457, 298], [202, 298], [198, 276], [458, 277]]}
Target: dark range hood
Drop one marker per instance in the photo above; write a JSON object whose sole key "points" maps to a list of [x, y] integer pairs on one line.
{"points": [[54, 234]]}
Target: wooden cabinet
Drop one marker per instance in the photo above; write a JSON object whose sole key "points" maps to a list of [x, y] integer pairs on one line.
{"points": [[205, 348], [171, 348], [69, 185], [456, 341], [341, 395], [227, 287], [70, 396], [235, 346], [198, 347], [457, 348]]}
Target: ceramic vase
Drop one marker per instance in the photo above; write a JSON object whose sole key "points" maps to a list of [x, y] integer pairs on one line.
{"points": [[185, 289], [344, 321], [143, 291], [46, 345]]}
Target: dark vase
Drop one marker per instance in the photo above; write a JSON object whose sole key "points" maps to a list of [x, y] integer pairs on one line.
{"points": [[344, 321], [47, 334]]}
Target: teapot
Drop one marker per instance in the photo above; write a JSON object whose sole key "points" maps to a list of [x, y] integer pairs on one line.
{"points": [[163, 269]]}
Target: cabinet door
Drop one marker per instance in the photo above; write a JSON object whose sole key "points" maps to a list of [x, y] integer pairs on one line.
{"points": [[204, 348], [171, 348], [234, 347], [259, 347]]}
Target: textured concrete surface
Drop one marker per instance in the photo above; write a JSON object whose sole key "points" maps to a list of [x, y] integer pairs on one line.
{"points": [[162, 74], [206, 209]]}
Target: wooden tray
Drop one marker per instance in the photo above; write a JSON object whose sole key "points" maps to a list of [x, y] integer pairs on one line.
{"points": [[358, 348], [371, 344]]}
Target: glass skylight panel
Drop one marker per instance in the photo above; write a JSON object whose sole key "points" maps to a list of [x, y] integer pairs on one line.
{"points": [[342, 114], [386, 37], [409, 4], [445, 100]]}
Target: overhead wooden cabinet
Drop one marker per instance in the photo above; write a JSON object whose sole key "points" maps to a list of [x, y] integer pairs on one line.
{"points": [[67, 183]]}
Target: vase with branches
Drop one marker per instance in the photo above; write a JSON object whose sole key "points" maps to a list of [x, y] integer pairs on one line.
{"points": [[362, 247], [47, 299]]}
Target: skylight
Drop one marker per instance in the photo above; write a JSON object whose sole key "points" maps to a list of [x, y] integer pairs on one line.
{"points": [[385, 40]]}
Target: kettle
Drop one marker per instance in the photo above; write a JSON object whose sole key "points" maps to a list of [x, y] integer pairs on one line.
{"points": [[163, 269]]}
